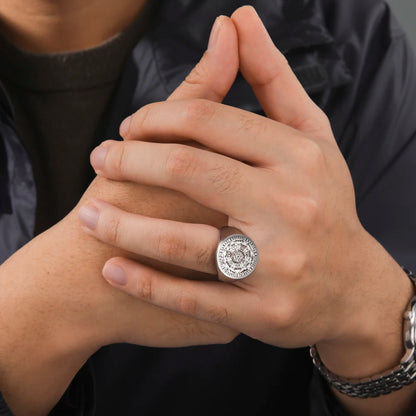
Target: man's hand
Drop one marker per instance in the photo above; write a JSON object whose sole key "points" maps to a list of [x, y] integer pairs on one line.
{"points": [[56, 310], [321, 279], [210, 79]]}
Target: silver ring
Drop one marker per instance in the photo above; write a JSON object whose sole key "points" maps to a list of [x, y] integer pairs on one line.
{"points": [[237, 255]]}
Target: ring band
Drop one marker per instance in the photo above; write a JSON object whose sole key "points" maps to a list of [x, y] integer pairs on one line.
{"points": [[236, 256]]}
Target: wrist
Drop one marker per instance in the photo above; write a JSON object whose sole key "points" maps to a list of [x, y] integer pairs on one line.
{"points": [[42, 346], [371, 340]]}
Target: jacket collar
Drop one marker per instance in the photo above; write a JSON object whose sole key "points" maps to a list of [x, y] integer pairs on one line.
{"points": [[177, 39], [296, 26], [292, 23]]}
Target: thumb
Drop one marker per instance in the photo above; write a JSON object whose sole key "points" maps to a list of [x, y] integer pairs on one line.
{"points": [[274, 83], [215, 73]]}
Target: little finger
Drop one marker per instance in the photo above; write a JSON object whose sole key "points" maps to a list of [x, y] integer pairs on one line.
{"points": [[216, 302]]}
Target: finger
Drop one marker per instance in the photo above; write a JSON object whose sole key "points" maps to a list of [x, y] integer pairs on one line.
{"points": [[208, 301], [213, 180], [274, 83], [215, 73], [187, 245], [225, 129], [213, 76]]}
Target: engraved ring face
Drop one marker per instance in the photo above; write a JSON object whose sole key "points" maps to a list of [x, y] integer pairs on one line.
{"points": [[237, 256]]}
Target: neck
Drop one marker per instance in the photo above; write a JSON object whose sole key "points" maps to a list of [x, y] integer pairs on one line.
{"points": [[49, 26]]}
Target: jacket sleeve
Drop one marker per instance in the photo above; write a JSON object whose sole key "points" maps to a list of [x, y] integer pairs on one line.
{"points": [[379, 141], [4, 409], [379, 144], [78, 399]]}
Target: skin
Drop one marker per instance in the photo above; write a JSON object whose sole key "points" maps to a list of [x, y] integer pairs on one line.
{"points": [[56, 308], [48, 26], [293, 196], [61, 311]]}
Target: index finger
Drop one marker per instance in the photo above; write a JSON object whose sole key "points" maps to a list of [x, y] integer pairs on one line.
{"points": [[266, 69], [215, 73]]}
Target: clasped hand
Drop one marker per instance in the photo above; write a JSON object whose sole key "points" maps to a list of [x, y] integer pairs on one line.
{"points": [[280, 179]]}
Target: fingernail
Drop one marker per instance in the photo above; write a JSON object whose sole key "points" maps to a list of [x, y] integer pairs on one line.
{"points": [[88, 215], [115, 274], [98, 157], [213, 37], [124, 126]]}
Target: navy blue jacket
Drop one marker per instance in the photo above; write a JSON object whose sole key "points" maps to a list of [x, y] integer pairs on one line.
{"points": [[355, 62]]}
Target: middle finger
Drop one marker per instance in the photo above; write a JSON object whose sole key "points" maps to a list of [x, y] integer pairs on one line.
{"points": [[216, 181]]}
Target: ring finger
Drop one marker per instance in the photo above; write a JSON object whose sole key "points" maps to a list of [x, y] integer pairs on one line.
{"points": [[186, 245]]}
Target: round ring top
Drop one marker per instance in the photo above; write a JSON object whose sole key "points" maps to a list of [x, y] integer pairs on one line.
{"points": [[237, 256]]}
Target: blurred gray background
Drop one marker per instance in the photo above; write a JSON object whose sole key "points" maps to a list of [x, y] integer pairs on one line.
{"points": [[405, 10]]}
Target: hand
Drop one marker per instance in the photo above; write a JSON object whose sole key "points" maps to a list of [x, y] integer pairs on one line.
{"points": [[321, 279], [163, 327], [56, 307]]}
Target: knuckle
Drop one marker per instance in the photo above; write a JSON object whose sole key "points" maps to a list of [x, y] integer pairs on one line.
{"points": [[187, 304], [325, 120], [201, 79], [306, 212], [281, 61], [272, 74], [217, 315], [204, 256], [309, 155], [285, 315], [292, 264], [317, 123], [171, 247], [117, 159], [111, 230], [320, 123], [197, 112], [198, 74], [140, 120], [295, 265], [181, 162], [305, 122], [251, 124], [314, 154], [225, 179], [144, 288]]}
